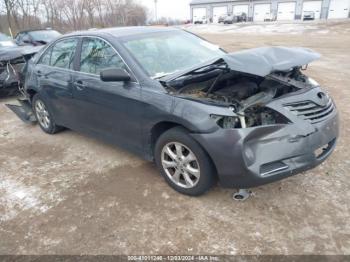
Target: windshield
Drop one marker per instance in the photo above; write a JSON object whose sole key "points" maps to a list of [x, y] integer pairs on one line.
{"points": [[44, 35], [165, 53]]}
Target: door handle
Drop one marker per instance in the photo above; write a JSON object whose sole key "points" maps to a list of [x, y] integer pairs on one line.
{"points": [[79, 85]]}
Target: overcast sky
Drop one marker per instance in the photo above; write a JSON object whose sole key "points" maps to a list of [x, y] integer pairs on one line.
{"points": [[169, 8]]}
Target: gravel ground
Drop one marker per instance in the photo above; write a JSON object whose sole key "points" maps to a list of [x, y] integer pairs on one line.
{"points": [[70, 194]]}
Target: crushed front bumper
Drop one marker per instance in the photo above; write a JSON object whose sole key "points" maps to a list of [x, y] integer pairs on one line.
{"points": [[251, 157], [9, 80]]}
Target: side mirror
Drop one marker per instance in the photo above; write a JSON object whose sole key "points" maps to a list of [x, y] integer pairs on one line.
{"points": [[115, 75]]}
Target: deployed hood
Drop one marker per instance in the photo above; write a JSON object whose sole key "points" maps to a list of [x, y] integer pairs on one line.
{"points": [[7, 54], [266, 60], [259, 61]]}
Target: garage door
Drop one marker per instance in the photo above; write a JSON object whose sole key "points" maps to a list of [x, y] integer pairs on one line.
{"points": [[286, 11], [199, 14], [238, 9], [219, 11], [313, 6], [261, 11], [339, 9]]}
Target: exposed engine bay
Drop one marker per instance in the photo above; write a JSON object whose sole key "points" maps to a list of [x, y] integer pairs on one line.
{"points": [[245, 94]]}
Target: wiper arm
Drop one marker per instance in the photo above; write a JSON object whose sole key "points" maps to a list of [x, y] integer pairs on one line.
{"points": [[161, 76], [213, 85]]}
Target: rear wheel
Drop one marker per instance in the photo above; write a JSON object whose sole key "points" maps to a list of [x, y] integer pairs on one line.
{"points": [[183, 163], [43, 116]]}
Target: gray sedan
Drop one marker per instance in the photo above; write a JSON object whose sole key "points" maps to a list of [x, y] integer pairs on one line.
{"points": [[203, 115]]}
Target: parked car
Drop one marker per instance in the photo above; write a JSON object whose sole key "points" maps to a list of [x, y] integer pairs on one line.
{"points": [[36, 37], [246, 118], [308, 15], [230, 19], [6, 41], [242, 17], [221, 19], [202, 20], [269, 17]]}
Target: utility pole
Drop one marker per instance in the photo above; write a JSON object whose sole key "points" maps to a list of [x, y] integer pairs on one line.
{"points": [[155, 10]]}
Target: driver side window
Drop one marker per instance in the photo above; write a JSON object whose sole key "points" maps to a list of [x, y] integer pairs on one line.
{"points": [[97, 55]]}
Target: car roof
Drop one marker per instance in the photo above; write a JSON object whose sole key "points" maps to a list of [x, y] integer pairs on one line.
{"points": [[123, 31], [39, 29]]}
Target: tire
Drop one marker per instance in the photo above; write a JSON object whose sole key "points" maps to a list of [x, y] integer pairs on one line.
{"points": [[180, 171], [44, 116]]}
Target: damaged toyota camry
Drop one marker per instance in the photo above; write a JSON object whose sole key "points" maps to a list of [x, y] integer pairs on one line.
{"points": [[203, 115]]}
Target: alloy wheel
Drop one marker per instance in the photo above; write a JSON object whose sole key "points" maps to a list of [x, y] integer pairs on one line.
{"points": [[180, 165], [42, 114]]}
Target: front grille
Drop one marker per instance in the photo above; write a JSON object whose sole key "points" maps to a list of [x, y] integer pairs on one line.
{"points": [[310, 111]]}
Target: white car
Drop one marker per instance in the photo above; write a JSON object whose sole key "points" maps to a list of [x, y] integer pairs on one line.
{"points": [[309, 15], [202, 20], [269, 17]]}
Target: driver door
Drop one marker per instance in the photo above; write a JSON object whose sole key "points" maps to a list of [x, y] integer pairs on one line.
{"points": [[110, 110]]}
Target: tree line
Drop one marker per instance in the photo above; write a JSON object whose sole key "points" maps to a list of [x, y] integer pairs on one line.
{"points": [[69, 15]]}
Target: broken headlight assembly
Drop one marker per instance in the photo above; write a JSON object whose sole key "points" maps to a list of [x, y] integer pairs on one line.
{"points": [[312, 82], [252, 117]]}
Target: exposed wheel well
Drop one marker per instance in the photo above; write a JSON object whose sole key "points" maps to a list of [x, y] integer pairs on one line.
{"points": [[159, 129]]}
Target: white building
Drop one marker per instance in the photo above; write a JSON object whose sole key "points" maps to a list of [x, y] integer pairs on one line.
{"points": [[260, 10]]}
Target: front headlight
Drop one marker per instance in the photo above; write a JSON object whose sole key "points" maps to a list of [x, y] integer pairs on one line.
{"points": [[226, 122], [253, 116]]}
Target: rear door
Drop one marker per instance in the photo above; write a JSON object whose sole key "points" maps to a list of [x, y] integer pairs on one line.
{"points": [[54, 73], [111, 110]]}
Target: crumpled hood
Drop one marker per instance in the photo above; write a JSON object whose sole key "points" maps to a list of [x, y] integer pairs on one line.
{"points": [[7, 54], [266, 60], [260, 61]]}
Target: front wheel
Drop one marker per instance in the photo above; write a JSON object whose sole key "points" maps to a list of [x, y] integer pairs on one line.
{"points": [[183, 163]]}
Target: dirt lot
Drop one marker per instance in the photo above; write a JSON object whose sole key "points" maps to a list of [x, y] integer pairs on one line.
{"points": [[69, 194]]}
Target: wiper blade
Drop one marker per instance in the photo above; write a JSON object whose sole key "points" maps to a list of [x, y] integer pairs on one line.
{"points": [[159, 76], [209, 68], [195, 77], [213, 85]]}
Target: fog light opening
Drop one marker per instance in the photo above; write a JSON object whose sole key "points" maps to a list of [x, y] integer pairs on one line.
{"points": [[272, 168], [321, 151]]}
